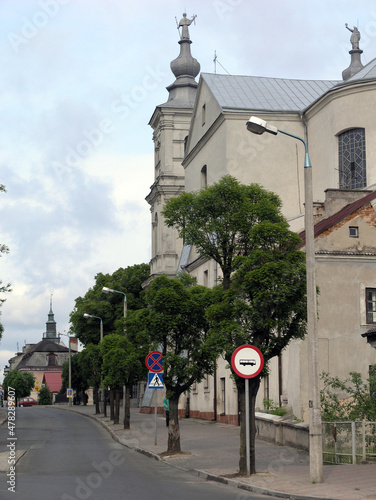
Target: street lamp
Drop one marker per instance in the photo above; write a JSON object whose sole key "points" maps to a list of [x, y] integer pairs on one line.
{"points": [[101, 323], [259, 126], [101, 398], [105, 289]]}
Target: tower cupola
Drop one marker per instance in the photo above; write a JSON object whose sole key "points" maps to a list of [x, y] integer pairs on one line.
{"points": [[185, 68]]}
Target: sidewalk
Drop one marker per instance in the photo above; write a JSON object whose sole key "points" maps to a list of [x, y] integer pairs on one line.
{"points": [[211, 450]]}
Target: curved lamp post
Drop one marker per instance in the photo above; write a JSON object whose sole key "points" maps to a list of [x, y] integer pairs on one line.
{"points": [[259, 126], [101, 323], [110, 290]]}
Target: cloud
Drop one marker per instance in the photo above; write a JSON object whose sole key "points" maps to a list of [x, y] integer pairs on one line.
{"points": [[76, 151]]}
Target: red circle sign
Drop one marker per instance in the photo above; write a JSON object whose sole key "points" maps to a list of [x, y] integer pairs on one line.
{"points": [[154, 362], [247, 361]]}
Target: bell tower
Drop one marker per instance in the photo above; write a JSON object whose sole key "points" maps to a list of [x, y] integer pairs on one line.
{"points": [[170, 123]]}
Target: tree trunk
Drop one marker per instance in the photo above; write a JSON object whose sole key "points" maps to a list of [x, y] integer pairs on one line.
{"points": [[117, 405], [254, 384], [96, 392], [173, 445], [127, 407], [112, 409], [226, 280], [104, 402]]}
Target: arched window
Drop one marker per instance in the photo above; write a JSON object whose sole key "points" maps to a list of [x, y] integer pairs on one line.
{"points": [[204, 176], [352, 159]]}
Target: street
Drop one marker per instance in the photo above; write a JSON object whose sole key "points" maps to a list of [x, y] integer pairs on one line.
{"points": [[71, 457]]}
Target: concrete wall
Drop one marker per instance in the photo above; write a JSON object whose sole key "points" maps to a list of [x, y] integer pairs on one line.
{"points": [[283, 432]]}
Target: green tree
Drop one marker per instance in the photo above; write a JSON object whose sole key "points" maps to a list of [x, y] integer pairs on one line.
{"points": [[45, 396], [90, 362], [175, 321], [108, 307], [219, 219], [265, 306], [3, 288], [122, 366], [262, 299], [79, 379], [358, 398], [21, 382]]}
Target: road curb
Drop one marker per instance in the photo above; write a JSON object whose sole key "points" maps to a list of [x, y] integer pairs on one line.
{"points": [[200, 473], [254, 489]]}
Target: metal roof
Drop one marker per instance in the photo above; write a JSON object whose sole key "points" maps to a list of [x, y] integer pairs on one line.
{"points": [[265, 94]]}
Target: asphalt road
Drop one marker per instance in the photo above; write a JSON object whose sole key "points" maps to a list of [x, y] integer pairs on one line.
{"points": [[70, 457]]}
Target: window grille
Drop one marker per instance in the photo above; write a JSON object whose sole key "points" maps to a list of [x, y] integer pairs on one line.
{"points": [[352, 159]]}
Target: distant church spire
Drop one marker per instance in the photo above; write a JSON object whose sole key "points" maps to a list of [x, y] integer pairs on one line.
{"points": [[51, 324], [185, 68], [355, 64]]}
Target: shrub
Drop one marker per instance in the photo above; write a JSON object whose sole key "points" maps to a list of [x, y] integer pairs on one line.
{"points": [[44, 396]]}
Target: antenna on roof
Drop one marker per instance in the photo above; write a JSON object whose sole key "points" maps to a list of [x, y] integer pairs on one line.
{"points": [[215, 64]]}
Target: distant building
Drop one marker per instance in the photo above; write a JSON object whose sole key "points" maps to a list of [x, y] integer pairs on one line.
{"points": [[45, 359]]}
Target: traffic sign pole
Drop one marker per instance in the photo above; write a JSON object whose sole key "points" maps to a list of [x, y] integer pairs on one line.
{"points": [[155, 420], [247, 446], [247, 362], [154, 363]]}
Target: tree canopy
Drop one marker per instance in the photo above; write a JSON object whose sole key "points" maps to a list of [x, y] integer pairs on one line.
{"points": [[219, 219], [108, 307], [79, 379], [21, 382]]}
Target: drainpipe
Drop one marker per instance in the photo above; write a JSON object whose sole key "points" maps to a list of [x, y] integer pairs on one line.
{"points": [[215, 275]]}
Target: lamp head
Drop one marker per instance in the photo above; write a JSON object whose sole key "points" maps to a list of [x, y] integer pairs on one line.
{"points": [[86, 315], [259, 126], [105, 289]]}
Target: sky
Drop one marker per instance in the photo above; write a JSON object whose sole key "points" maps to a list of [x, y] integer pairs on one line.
{"points": [[80, 80]]}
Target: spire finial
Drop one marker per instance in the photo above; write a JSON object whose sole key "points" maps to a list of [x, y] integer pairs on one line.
{"points": [[184, 23], [51, 302]]}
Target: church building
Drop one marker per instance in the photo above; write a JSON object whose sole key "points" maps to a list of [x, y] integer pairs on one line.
{"points": [[200, 136], [45, 359]]}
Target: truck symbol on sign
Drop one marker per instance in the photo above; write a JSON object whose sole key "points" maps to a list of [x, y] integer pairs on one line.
{"points": [[246, 362]]}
